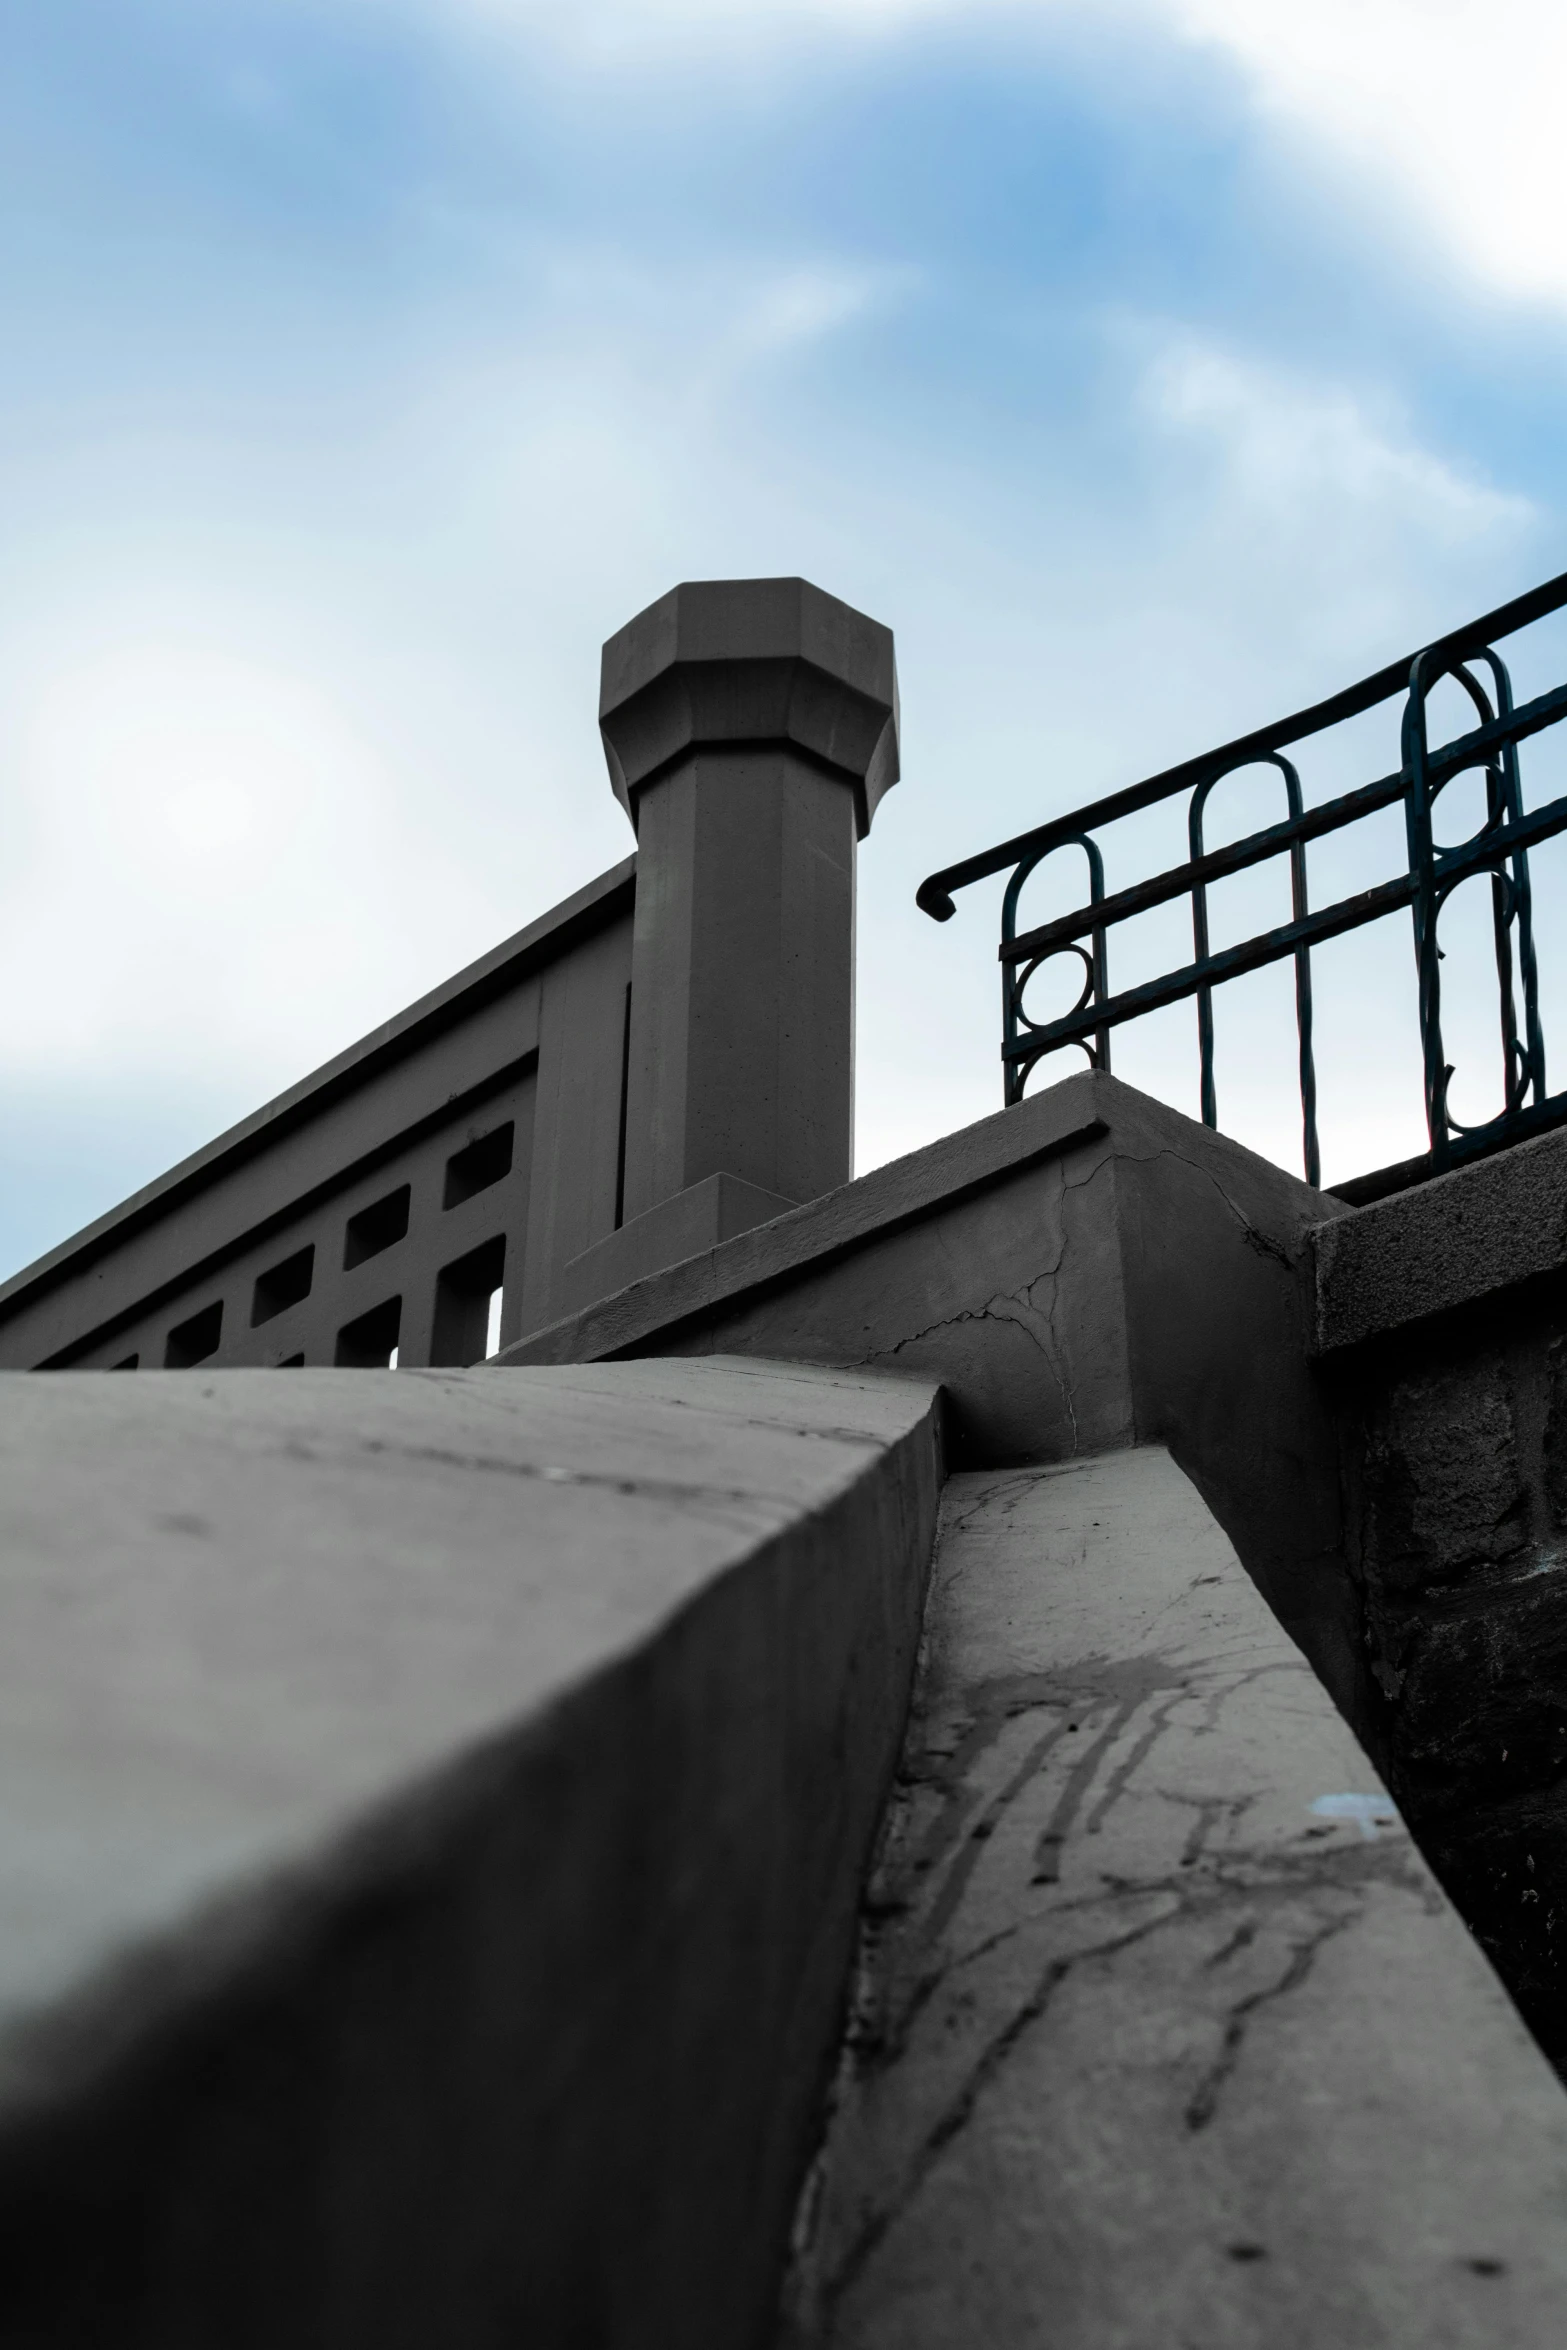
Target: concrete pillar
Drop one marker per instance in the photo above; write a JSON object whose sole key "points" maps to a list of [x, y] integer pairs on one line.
{"points": [[751, 727]]}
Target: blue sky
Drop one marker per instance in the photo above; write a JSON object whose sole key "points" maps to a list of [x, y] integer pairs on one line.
{"points": [[1149, 367]]}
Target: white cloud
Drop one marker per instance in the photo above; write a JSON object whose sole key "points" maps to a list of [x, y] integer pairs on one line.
{"points": [[205, 869], [233, 846], [224, 870], [247, 816], [1287, 445], [1450, 109], [1456, 104], [800, 306], [617, 24]]}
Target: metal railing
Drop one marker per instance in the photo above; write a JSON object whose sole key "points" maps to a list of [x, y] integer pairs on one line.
{"points": [[1500, 848]]}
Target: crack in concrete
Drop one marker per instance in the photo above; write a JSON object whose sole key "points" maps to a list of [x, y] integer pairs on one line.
{"points": [[1204, 2102], [916, 1886], [1293, 1667], [1024, 1317], [1243, 1937], [955, 2117], [545, 1473], [1019, 1308], [1010, 1487], [1115, 1785], [1058, 1356], [1208, 1808], [968, 1817], [1254, 1237], [1267, 1877]]}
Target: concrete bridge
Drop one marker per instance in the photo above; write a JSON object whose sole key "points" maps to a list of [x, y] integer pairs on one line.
{"points": [[969, 1756]]}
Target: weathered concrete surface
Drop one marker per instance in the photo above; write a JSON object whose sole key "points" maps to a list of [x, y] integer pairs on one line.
{"points": [[433, 1811], [1465, 1237], [1166, 2035], [772, 1258], [1089, 1269]]}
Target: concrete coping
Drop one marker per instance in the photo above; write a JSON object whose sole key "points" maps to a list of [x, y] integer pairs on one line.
{"points": [[1451, 1242], [899, 1193]]}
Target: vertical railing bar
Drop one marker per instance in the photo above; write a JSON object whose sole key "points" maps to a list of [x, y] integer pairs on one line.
{"points": [[1503, 908], [1532, 1052], [1523, 891], [1099, 968], [1209, 1092], [1014, 978], [1310, 1152], [1423, 909]]}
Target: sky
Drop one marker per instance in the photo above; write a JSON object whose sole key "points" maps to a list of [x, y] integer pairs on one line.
{"points": [[1150, 367]]}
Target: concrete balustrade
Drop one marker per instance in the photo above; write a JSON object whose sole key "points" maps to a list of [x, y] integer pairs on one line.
{"points": [[671, 1050]]}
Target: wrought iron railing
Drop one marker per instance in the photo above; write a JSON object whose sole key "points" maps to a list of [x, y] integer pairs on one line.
{"points": [[1500, 847]]}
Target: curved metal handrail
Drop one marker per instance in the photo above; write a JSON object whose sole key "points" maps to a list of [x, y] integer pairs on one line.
{"points": [[1499, 848]]}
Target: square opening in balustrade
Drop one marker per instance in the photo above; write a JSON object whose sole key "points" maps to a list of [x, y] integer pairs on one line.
{"points": [[376, 1227], [370, 1343], [465, 1311], [191, 1342], [284, 1286], [477, 1165]]}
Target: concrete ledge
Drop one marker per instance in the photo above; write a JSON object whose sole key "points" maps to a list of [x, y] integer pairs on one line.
{"points": [[1451, 1242], [1086, 1270], [433, 1811], [697, 1219], [814, 1236], [1165, 2033]]}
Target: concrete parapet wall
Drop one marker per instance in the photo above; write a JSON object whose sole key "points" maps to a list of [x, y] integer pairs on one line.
{"points": [[432, 1819], [1088, 1269]]}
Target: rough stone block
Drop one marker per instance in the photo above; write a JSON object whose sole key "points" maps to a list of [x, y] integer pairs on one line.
{"points": [[1451, 1437], [1445, 1493]]}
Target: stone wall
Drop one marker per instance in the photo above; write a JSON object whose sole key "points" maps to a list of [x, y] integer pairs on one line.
{"points": [[1443, 1323]]}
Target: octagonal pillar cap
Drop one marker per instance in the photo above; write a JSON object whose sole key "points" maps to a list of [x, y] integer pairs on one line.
{"points": [[751, 662]]}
